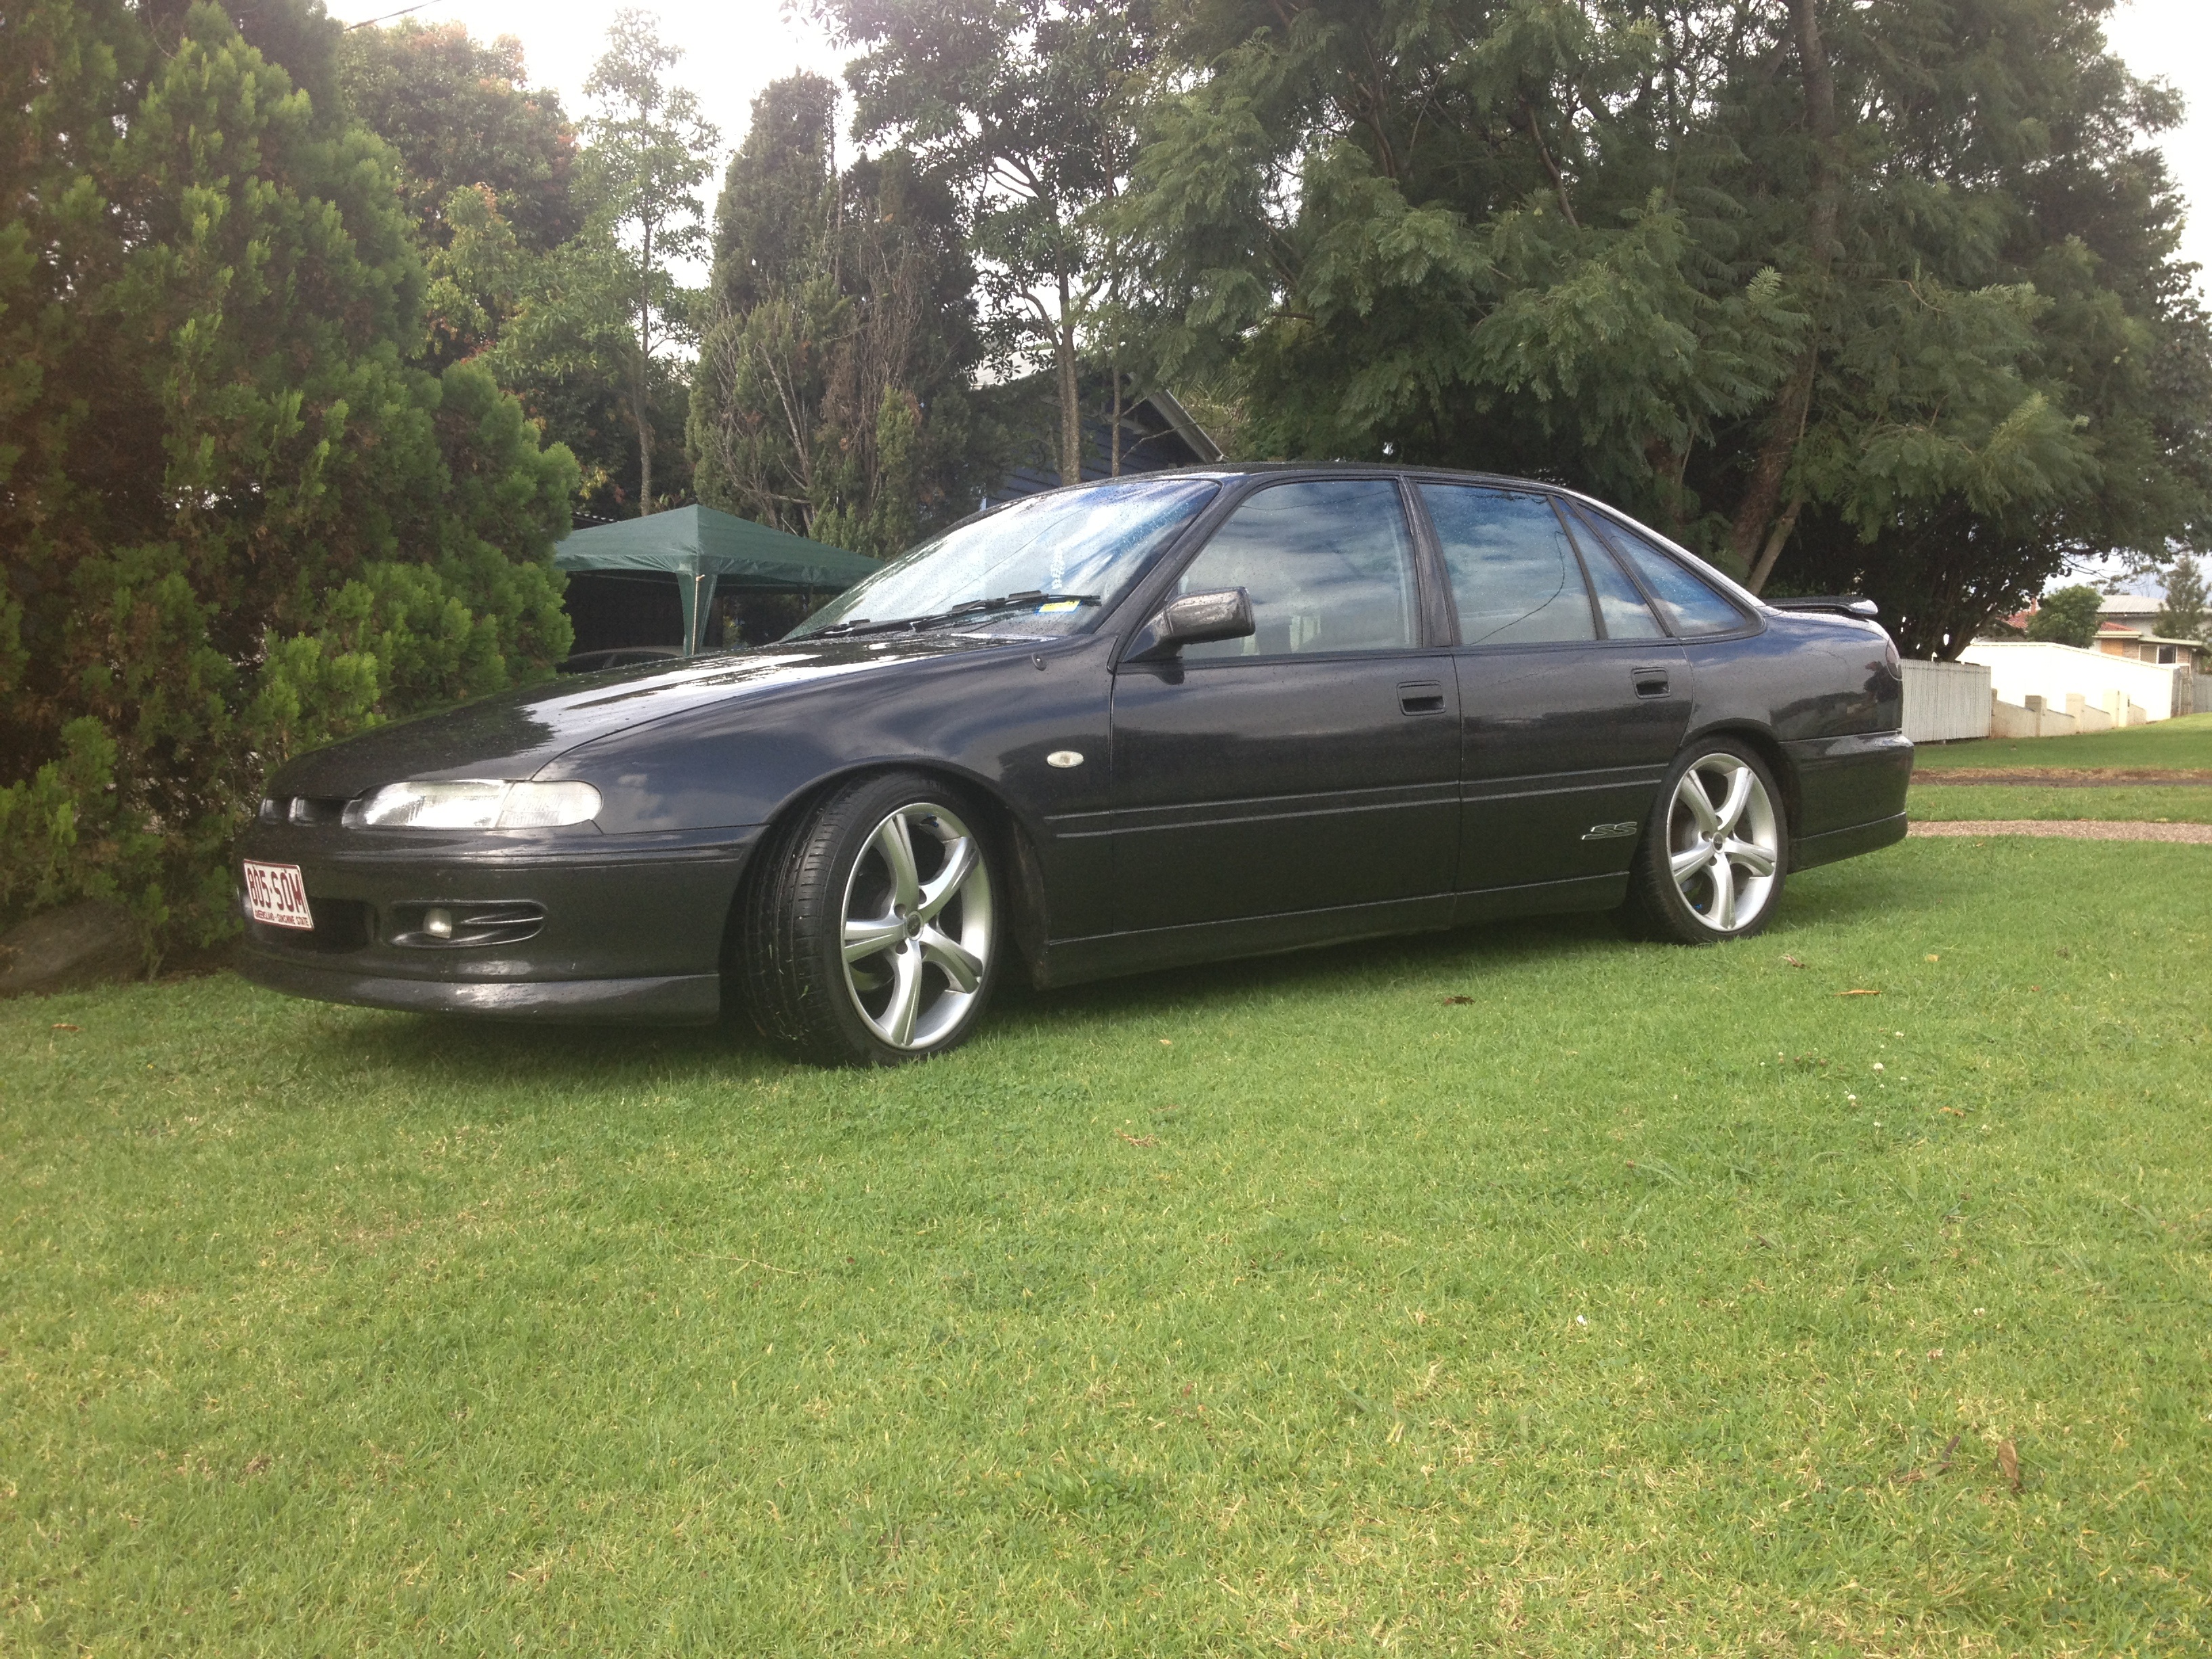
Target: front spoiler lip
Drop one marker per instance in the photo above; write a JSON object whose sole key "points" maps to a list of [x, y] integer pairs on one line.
{"points": [[659, 1000]]}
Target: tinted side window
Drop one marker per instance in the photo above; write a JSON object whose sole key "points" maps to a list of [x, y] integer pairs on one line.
{"points": [[1514, 574], [1328, 565], [1625, 615], [1689, 606]]}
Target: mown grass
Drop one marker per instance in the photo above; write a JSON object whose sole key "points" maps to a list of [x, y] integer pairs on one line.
{"points": [[1645, 1301], [2176, 744], [2143, 803]]}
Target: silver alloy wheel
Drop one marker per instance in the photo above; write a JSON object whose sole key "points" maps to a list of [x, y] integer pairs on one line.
{"points": [[917, 927], [1723, 846]]}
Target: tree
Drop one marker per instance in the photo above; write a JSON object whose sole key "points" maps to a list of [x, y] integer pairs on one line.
{"points": [[1026, 108], [463, 116], [1789, 280], [2181, 616], [488, 168], [831, 397], [236, 521], [649, 158], [2068, 616]]}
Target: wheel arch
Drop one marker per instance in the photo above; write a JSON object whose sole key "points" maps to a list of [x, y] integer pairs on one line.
{"points": [[1764, 743], [1024, 873]]}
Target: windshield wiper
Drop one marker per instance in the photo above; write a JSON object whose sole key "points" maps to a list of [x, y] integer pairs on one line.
{"points": [[1026, 600]]}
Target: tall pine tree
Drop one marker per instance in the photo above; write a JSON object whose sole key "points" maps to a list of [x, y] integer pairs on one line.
{"points": [[832, 396]]}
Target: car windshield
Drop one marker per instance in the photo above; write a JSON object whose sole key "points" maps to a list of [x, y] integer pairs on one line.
{"points": [[1041, 566]]}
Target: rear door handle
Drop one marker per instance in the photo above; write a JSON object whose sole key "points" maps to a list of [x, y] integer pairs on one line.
{"points": [[1421, 696], [1649, 682]]}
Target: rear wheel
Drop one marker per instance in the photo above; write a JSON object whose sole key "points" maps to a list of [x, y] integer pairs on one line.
{"points": [[872, 936], [1712, 863]]}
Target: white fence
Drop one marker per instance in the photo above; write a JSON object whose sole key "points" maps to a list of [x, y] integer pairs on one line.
{"points": [[2020, 669], [1946, 701]]}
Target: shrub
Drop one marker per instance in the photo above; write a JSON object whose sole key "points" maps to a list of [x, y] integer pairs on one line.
{"points": [[236, 523]]}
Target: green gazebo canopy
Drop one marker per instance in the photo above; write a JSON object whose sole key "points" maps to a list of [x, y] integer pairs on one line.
{"points": [[704, 548]]}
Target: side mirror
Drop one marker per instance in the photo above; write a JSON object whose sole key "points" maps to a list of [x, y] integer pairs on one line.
{"points": [[1194, 619]]}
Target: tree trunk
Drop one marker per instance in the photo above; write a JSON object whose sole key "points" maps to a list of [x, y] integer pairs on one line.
{"points": [[1757, 536], [639, 412], [1114, 468], [1071, 408]]}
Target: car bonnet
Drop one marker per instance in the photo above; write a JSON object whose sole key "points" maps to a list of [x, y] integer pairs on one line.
{"points": [[513, 734]]}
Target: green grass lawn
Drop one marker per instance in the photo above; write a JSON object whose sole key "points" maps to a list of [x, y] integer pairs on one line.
{"points": [[2148, 803], [2178, 744], [1521, 1291]]}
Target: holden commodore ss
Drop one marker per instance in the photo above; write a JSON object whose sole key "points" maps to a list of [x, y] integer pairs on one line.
{"points": [[1146, 721]]}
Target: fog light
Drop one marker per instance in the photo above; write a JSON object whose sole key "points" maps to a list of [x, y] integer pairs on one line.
{"points": [[438, 923]]}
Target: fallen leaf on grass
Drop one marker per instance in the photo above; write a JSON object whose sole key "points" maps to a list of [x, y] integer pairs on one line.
{"points": [[1932, 957], [1141, 1140], [2009, 1463], [1858, 993], [1953, 1110], [64, 1025], [1454, 1002], [1791, 960]]}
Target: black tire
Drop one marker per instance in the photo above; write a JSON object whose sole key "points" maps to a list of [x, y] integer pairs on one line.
{"points": [[834, 863], [1705, 905]]}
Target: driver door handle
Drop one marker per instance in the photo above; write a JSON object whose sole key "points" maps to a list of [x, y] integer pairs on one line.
{"points": [[1421, 696]]}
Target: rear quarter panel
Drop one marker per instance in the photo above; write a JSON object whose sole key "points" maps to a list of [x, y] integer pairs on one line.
{"points": [[1828, 692]]}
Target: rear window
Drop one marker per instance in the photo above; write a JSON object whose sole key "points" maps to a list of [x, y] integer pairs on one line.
{"points": [[1514, 574], [1690, 604]]}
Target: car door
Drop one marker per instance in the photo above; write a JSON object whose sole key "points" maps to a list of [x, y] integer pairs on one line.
{"points": [[1313, 766], [1573, 699]]}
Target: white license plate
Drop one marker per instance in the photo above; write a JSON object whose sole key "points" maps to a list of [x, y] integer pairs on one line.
{"points": [[275, 893]]}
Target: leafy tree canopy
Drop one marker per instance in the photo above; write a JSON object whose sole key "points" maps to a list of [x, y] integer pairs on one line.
{"points": [[463, 117], [1876, 296], [2068, 616]]}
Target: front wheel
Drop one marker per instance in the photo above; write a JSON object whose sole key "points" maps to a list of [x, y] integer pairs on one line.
{"points": [[1711, 862], [872, 936]]}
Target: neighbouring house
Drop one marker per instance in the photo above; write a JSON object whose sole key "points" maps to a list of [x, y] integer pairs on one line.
{"points": [[2127, 627]]}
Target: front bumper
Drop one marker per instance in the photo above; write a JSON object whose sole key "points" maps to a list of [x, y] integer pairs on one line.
{"points": [[628, 928]]}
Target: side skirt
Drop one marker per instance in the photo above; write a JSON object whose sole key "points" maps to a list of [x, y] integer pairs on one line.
{"points": [[1107, 956]]}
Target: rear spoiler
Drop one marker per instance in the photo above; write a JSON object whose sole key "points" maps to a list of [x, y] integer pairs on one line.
{"points": [[1848, 605]]}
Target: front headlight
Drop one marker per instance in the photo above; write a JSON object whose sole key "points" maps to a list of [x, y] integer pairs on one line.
{"points": [[474, 804]]}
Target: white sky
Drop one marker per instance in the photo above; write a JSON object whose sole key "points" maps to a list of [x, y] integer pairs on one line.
{"points": [[732, 48]]}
